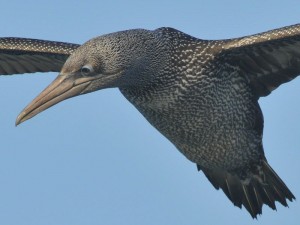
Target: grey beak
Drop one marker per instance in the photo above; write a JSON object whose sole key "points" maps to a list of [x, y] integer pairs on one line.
{"points": [[62, 88]]}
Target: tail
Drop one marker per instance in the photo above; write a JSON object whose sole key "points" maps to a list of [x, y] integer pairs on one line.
{"points": [[257, 187]]}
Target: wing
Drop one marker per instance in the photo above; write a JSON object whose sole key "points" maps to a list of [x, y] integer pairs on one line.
{"points": [[23, 55], [268, 59]]}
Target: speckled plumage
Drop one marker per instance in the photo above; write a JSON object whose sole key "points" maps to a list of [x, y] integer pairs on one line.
{"points": [[202, 95], [198, 102], [24, 55]]}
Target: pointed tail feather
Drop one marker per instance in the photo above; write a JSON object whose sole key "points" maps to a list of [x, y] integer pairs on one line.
{"points": [[260, 186]]}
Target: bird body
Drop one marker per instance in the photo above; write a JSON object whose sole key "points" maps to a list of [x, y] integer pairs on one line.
{"points": [[202, 95], [200, 108]]}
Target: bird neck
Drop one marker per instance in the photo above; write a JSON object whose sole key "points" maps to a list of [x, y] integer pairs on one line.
{"points": [[176, 59]]}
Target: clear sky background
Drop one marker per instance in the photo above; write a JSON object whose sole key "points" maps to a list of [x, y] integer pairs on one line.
{"points": [[94, 159]]}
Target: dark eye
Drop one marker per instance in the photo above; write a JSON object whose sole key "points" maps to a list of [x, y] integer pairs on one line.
{"points": [[86, 70]]}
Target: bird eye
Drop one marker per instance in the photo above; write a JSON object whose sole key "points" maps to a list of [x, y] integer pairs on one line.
{"points": [[86, 70]]}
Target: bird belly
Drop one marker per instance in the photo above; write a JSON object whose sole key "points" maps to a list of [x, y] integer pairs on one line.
{"points": [[213, 125]]}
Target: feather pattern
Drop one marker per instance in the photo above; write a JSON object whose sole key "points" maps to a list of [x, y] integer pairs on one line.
{"points": [[23, 55]]}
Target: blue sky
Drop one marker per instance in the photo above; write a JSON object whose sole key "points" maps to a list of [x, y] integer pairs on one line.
{"points": [[94, 159]]}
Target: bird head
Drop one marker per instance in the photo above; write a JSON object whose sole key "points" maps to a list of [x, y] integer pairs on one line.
{"points": [[122, 59]]}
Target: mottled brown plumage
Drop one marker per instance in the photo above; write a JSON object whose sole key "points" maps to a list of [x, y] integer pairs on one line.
{"points": [[202, 95]]}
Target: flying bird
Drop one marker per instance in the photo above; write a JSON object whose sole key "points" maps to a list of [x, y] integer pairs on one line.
{"points": [[202, 95]]}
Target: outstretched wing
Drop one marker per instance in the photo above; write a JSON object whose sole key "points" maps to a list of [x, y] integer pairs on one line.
{"points": [[23, 55], [268, 59]]}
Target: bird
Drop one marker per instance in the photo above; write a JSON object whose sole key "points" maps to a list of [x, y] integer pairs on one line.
{"points": [[202, 95]]}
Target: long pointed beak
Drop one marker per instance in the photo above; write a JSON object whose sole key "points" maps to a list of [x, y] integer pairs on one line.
{"points": [[62, 88]]}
